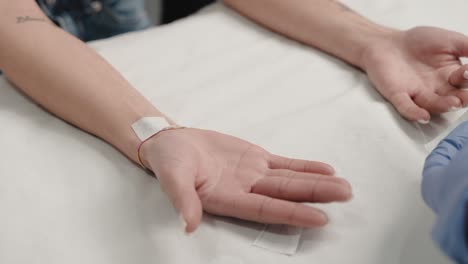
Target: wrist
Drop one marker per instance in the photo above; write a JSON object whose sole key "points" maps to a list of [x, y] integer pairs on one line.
{"points": [[375, 47], [148, 147], [144, 151], [351, 37], [125, 138]]}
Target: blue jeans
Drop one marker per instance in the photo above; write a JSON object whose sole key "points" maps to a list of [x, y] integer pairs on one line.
{"points": [[96, 19]]}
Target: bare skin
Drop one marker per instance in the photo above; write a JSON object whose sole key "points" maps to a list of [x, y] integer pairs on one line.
{"points": [[198, 169], [205, 170], [417, 70]]}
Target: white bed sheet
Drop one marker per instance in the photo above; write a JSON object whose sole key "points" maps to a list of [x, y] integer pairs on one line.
{"points": [[67, 197]]}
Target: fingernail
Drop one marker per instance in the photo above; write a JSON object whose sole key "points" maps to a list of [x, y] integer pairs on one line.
{"points": [[183, 223], [455, 108], [465, 75], [423, 122], [323, 219]]}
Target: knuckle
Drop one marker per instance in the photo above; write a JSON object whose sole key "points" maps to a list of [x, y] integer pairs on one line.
{"points": [[314, 190]]}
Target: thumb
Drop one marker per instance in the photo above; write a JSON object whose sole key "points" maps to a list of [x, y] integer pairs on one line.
{"points": [[179, 185], [439, 159]]}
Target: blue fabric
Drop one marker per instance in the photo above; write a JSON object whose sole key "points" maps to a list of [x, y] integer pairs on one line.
{"points": [[91, 19], [445, 190]]}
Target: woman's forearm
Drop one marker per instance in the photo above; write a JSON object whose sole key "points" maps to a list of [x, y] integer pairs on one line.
{"points": [[68, 78], [325, 24]]}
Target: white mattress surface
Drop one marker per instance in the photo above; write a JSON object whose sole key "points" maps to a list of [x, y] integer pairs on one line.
{"points": [[67, 197]]}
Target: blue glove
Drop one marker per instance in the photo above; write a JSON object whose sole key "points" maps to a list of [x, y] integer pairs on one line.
{"points": [[445, 190]]}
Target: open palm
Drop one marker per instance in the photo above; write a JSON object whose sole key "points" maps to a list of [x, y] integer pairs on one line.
{"points": [[419, 71], [205, 170]]}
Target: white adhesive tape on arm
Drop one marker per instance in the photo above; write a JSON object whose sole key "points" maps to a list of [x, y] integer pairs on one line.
{"points": [[148, 126]]}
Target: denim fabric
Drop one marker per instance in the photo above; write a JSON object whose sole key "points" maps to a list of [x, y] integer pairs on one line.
{"points": [[96, 19]]}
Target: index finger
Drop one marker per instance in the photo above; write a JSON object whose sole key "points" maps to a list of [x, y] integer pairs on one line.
{"points": [[279, 162]]}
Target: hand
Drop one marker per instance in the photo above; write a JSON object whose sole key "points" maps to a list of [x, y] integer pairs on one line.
{"points": [[445, 190], [446, 167], [419, 71], [223, 175]]}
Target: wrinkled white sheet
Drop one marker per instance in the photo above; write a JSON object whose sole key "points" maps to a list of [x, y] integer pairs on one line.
{"points": [[67, 197]]}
